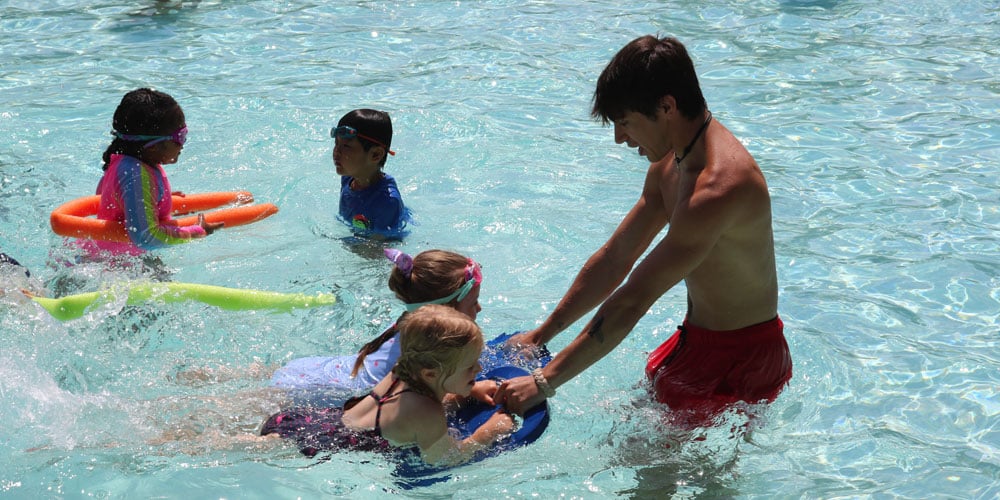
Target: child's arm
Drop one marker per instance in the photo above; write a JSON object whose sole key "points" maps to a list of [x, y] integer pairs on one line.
{"points": [[438, 447], [426, 424]]}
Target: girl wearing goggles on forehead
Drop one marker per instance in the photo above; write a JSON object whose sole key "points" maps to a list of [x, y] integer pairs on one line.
{"points": [[430, 277], [370, 202], [149, 131]]}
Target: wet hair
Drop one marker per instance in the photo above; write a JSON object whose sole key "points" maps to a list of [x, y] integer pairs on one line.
{"points": [[143, 112], [433, 336], [435, 274], [641, 73], [373, 123], [7, 259]]}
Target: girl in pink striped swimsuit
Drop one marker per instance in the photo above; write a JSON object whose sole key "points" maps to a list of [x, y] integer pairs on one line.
{"points": [[149, 130]]}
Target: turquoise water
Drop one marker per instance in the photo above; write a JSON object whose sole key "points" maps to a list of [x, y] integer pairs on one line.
{"points": [[875, 123]]}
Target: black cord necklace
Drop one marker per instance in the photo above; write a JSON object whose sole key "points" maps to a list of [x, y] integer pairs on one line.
{"points": [[690, 145]]}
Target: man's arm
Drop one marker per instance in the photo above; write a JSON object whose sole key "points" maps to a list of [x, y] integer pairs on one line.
{"points": [[610, 264], [695, 228]]}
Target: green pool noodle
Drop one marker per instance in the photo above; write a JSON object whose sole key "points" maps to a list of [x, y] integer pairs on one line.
{"points": [[234, 299]]}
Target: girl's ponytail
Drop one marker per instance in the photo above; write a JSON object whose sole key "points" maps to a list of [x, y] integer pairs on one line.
{"points": [[374, 345]]}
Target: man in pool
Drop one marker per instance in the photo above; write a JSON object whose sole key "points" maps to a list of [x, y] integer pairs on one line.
{"points": [[708, 188]]}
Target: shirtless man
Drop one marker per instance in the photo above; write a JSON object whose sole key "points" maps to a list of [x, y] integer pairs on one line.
{"points": [[705, 184]]}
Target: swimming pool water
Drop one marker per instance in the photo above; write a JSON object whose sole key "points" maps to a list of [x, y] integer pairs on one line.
{"points": [[874, 122]]}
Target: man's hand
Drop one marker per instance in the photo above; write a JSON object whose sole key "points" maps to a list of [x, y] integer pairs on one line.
{"points": [[520, 346], [519, 341], [519, 394]]}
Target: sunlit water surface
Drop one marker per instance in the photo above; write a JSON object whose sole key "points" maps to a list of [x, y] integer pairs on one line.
{"points": [[875, 123]]}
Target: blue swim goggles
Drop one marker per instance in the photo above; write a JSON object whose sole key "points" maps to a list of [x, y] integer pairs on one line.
{"points": [[179, 137], [346, 132], [473, 277]]}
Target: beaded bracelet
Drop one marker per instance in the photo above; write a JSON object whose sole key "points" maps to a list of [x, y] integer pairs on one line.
{"points": [[543, 385]]}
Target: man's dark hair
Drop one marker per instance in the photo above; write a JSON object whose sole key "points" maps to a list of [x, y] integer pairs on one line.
{"points": [[641, 73]]}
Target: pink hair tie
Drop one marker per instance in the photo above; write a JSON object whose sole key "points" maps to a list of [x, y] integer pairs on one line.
{"points": [[402, 261]]}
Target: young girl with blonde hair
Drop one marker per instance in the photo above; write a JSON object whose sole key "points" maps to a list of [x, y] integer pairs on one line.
{"points": [[436, 369]]}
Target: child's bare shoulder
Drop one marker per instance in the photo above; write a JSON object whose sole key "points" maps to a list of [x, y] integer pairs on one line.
{"points": [[415, 417]]}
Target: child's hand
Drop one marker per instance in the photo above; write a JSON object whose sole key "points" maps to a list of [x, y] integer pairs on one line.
{"points": [[209, 227], [244, 199], [178, 193], [484, 391]]}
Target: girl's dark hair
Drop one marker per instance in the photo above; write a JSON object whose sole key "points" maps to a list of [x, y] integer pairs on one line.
{"points": [[373, 123], [433, 336], [142, 112], [7, 259], [435, 274], [641, 73]]}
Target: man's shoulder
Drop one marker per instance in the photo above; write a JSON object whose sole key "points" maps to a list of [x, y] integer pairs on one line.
{"points": [[735, 187], [732, 169]]}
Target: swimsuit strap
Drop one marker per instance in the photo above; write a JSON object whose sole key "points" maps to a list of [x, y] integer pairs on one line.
{"points": [[380, 400]]}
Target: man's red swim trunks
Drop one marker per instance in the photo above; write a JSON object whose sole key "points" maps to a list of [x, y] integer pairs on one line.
{"points": [[704, 370]]}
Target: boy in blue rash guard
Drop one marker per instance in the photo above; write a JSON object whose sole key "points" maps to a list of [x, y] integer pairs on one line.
{"points": [[369, 198]]}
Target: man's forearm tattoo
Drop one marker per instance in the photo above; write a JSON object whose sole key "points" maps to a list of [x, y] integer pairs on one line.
{"points": [[595, 329]]}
